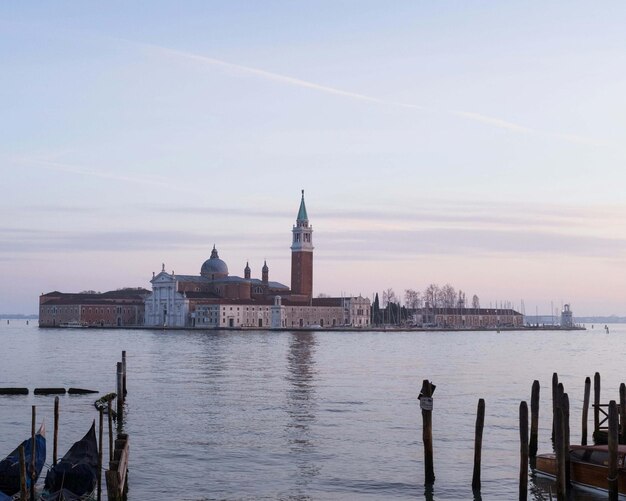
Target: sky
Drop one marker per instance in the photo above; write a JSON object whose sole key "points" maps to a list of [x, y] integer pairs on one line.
{"points": [[480, 144]]}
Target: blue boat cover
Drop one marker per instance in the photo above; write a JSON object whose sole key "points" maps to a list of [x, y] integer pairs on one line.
{"points": [[10, 466]]}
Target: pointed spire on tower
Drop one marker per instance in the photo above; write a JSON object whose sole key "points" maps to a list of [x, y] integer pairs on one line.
{"points": [[246, 271], [265, 272], [302, 215]]}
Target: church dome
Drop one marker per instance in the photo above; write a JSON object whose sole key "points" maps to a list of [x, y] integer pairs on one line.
{"points": [[214, 268]]}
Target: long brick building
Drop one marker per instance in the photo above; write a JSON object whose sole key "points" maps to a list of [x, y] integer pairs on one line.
{"points": [[120, 308]]}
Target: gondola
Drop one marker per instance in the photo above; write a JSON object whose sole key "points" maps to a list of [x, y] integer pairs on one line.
{"points": [[75, 476], [589, 466], [10, 466]]}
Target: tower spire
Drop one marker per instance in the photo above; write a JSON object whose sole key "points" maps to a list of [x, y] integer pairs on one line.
{"points": [[302, 215], [265, 273]]}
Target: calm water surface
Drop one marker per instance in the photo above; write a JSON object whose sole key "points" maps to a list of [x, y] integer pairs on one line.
{"points": [[306, 416]]}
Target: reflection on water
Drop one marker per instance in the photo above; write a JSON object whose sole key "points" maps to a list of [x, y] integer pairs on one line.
{"points": [[429, 492], [301, 407]]}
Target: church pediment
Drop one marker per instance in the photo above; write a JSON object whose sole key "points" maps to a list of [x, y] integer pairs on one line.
{"points": [[161, 278]]}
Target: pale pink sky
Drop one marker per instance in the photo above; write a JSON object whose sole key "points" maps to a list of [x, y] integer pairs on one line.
{"points": [[477, 145]]}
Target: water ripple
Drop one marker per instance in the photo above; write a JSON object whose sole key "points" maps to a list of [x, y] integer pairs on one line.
{"points": [[307, 415]]}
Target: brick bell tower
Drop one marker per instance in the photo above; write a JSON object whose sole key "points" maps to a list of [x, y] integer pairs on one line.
{"points": [[302, 254]]}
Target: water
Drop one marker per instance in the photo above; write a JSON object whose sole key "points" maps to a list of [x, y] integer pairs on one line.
{"points": [[306, 416]]}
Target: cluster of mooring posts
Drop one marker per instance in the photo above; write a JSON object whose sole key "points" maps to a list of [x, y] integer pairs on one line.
{"points": [[609, 427], [118, 454]]}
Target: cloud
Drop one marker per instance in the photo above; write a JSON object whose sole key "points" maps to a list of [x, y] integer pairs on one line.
{"points": [[225, 211], [460, 212], [64, 209], [370, 244], [35, 241], [469, 242], [288, 80]]}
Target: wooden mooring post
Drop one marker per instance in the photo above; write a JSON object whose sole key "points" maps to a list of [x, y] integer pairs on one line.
{"points": [[622, 413], [55, 439], [534, 423], [478, 445], [426, 404], [523, 435], [118, 467], [124, 373], [566, 442], [110, 418], [560, 457], [555, 386], [23, 491], [100, 448], [613, 442], [120, 396], [116, 475], [559, 445], [583, 439], [33, 455], [596, 403]]}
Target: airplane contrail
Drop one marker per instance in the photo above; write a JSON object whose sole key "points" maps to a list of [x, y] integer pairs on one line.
{"points": [[75, 169], [288, 80]]}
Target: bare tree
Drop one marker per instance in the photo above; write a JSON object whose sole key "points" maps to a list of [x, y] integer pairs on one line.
{"points": [[460, 303], [389, 296], [448, 296], [412, 299], [432, 295], [475, 302]]}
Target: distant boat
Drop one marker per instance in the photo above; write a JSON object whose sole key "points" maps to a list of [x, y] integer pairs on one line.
{"points": [[75, 476], [10, 466], [589, 466], [73, 325]]}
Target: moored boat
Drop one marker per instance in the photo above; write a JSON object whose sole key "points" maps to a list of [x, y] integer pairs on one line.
{"points": [[10, 466], [75, 476], [589, 466], [73, 324]]}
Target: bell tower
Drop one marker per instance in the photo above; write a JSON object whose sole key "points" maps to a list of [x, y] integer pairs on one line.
{"points": [[302, 254]]}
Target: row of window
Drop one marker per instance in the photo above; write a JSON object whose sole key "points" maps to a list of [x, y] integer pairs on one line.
{"points": [[74, 309]]}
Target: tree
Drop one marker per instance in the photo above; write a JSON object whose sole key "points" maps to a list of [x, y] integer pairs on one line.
{"points": [[376, 311], [412, 299], [448, 296], [431, 295], [393, 313], [389, 296], [475, 302], [460, 303]]}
